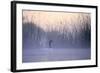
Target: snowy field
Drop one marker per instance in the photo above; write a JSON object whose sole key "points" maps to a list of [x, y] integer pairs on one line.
{"points": [[54, 54]]}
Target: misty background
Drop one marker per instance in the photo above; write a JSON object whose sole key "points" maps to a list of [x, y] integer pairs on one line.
{"points": [[58, 43]]}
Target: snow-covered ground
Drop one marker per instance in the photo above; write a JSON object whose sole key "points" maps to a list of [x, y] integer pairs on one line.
{"points": [[55, 54]]}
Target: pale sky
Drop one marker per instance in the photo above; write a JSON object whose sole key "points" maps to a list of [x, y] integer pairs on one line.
{"points": [[56, 20]]}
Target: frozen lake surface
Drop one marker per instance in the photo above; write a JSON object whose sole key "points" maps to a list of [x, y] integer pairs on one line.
{"points": [[55, 54]]}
